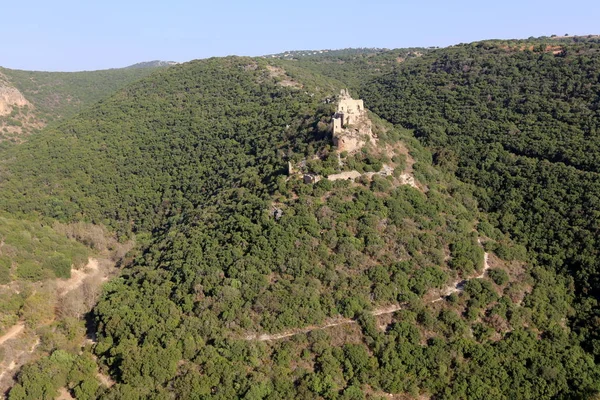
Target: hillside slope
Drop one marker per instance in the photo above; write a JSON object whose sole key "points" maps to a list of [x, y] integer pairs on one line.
{"points": [[194, 160], [143, 155], [521, 121], [152, 64], [29, 100]]}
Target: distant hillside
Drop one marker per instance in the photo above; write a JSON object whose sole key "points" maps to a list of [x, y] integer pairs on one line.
{"points": [[354, 66], [296, 54], [30, 100], [152, 64]]}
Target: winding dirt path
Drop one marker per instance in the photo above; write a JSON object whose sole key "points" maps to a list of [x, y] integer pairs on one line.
{"points": [[486, 265], [457, 286], [12, 332], [277, 336]]}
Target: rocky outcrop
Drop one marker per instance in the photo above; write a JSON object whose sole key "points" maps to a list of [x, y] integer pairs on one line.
{"points": [[10, 97], [408, 179], [17, 115]]}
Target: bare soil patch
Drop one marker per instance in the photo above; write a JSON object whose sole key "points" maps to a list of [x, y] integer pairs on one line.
{"points": [[12, 332], [282, 77]]}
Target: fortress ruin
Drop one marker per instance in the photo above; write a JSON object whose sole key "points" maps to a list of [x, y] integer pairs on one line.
{"points": [[351, 130], [351, 125]]}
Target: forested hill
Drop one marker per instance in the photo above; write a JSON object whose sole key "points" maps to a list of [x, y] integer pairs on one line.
{"points": [[166, 144], [250, 282], [37, 98], [521, 121], [353, 67]]}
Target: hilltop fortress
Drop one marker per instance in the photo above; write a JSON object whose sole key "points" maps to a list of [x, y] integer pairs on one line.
{"points": [[351, 124], [351, 130]]}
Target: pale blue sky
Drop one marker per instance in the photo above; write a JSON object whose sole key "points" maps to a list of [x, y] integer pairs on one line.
{"points": [[69, 35]]}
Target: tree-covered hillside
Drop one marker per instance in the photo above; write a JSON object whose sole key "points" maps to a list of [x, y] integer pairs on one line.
{"points": [[521, 121], [250, 283], [158, 148], [151, 64], [53, 96], [352, 68]]}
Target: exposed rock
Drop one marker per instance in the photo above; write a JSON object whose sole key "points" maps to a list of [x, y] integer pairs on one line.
{"points": [[10, 97], [276, 212], [408, 179], [386, 170], [283, 79]]}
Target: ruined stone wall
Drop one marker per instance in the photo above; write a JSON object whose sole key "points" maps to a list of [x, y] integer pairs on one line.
{"points": [[348, 143], [351, 109], [337, 125], [351, 125], [351, 175]]}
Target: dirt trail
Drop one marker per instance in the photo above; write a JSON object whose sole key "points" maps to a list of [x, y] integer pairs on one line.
{"points": [[12, 332], [105, 379], [16, 362], [283, 335], [457, 286], [486, 265], [8, 369], [63, 286], [78, 276]]}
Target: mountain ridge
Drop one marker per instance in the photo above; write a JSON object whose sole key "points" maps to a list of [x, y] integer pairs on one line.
{"points": [[151, 64]]}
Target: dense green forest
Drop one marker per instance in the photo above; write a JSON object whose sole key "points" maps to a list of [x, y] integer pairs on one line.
{"points": [[63, 94], [142, 156], [32, 251], [352, 68], [192, 161], [524, 126], [53, 96]]}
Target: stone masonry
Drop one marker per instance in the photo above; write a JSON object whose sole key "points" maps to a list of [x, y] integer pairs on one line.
{"points": [[351, 125]]}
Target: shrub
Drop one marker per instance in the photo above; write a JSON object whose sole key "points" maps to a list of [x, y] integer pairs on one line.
{"points": [[5, 265], [60, 265], [30, 271], [499, 276]]}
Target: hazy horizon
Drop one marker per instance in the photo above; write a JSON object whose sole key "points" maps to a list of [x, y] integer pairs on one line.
{"points": [[71, 36]]}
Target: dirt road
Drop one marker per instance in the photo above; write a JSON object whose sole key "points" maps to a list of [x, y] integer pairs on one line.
{"points": [[457, 286]]}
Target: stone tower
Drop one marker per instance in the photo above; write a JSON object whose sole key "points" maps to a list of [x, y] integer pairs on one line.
{"points": [[351, 125]]}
